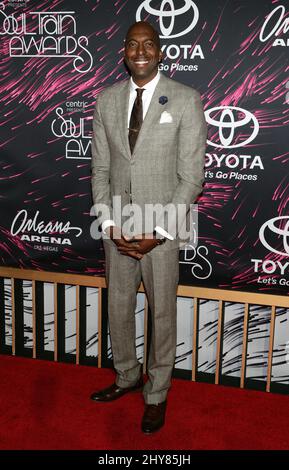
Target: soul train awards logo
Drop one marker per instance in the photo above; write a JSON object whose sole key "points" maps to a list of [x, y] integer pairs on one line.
{"points": [[45, 34], [174, 19], [197, 259], [48, 234], [276, 26], [274, 236], [78, 145], [231, 127], [195, 256]]}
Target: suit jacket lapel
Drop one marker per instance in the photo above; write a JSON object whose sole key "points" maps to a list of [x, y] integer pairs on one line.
{"points": [[153, 113], [122, 103]]}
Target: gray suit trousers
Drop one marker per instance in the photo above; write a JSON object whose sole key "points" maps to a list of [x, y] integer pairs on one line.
{"points": [[159, 272]]}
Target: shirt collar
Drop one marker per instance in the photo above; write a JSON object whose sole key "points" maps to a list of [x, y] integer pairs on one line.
{"points": [[150, 86]]}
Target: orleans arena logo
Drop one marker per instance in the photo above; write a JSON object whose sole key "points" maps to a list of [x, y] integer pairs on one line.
{"points": [[46, 235], [231, 128], [174, 19], [276, 27]]}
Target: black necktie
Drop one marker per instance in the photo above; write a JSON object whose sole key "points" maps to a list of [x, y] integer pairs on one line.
{"points": [[136, 119]]}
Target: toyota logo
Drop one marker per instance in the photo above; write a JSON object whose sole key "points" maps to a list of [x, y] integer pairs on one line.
{"points": [[273, 229], [227, 124], [170, 13]]}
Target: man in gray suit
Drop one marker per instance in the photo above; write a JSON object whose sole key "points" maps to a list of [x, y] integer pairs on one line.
{"points": [[148, 149]]}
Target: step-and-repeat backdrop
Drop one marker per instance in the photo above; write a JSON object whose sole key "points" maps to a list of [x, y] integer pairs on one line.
{"points": [[56, 56]]}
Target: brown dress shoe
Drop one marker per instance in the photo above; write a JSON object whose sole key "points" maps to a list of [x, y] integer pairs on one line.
{"points": [[153, 418], [114, 391]]}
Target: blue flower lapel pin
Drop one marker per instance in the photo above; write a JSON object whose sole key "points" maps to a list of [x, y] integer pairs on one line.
{"points": [[163, 99]]}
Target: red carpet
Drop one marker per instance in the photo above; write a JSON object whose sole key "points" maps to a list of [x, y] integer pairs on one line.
{"points": [[45, 405]]}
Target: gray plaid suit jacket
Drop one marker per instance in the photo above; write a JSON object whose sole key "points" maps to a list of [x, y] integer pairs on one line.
{"points": [[167, 164]]}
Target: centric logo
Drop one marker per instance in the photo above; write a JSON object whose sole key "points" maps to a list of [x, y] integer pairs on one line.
{"points": [[270, 228], [170, 14], [228, 122]]}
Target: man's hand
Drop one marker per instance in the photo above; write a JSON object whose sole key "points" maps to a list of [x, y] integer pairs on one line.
{"points": [[125, 247], [145, 241]]}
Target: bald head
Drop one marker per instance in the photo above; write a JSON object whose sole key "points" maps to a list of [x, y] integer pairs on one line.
{"points": [[142, 52], [145, 24]]}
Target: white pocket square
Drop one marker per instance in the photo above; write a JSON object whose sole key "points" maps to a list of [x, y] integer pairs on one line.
{"points": [[166, 117]]}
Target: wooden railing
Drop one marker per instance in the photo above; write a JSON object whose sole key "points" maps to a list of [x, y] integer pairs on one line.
{"points": [[195, 293]]}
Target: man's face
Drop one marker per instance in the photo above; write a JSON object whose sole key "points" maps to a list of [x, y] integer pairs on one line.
{"points": [[142, 53]]}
